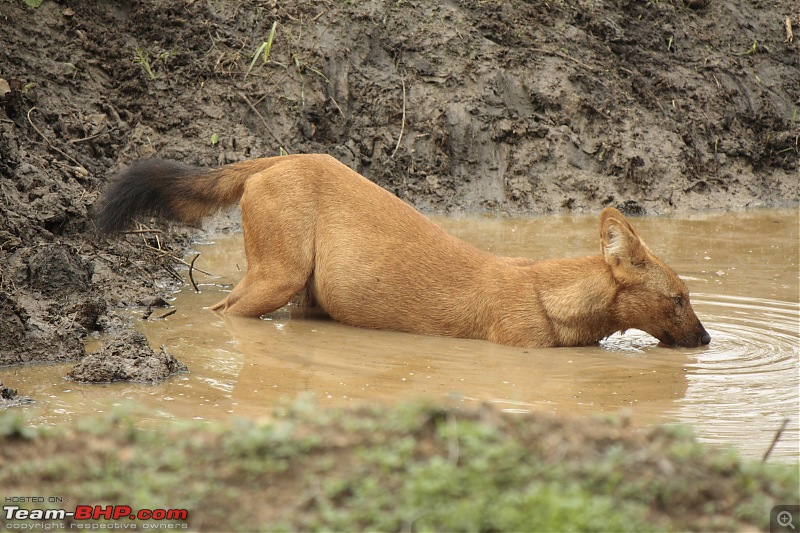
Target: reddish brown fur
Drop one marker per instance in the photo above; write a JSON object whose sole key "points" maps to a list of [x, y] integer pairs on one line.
{"points": [[314, 227]]}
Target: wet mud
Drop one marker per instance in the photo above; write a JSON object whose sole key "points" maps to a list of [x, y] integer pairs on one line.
{"points": [[127, 357], [456, 107]]}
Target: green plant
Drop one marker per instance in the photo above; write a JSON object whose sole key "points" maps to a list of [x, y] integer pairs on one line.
{"points": [[141, 57], [34, 3], [264, 48], [750, 51]]}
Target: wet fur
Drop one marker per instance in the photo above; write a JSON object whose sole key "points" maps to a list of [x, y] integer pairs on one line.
{"points": [[315, 228]]}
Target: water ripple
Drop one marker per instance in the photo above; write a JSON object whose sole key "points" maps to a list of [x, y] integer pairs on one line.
{"points": [[746, 381]]}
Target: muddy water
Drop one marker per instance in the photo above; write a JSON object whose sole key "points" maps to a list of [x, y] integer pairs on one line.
{"points": [[742, 270]]}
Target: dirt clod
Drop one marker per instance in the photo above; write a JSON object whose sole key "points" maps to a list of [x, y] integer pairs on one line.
{"points": [[10, 398], [127, 357]]}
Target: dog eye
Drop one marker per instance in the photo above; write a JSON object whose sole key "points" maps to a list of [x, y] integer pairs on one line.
{"points": [[678, 300]]}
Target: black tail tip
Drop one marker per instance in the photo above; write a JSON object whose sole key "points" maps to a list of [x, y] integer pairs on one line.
{"points": [[113, 214], [144, 188], [106, 223]]}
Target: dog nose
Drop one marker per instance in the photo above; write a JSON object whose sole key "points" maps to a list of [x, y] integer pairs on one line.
{"points": [[705, 338]]}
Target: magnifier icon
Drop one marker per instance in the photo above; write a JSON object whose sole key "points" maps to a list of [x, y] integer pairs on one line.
{"points": [[785, 519]]}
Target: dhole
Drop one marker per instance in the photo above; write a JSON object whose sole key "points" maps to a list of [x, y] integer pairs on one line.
{"points": [[316, 230]]}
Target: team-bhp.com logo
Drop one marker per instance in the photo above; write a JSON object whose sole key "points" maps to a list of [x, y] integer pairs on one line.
{"points": [[86, 517]]}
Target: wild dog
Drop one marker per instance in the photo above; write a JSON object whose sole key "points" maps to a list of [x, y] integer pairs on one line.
{"points": [[315, 229]]}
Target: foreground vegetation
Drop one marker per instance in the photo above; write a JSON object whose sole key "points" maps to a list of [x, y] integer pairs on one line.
{"points": [[414, 467]]}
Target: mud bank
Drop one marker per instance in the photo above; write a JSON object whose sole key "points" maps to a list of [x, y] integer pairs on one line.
{"points": [[652, 107]]}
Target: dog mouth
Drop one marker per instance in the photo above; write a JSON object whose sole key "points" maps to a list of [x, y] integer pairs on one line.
{"points": [[667, 340]]}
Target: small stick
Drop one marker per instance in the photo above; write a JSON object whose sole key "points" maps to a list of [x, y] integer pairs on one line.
{"points": [[47, 141], [403, 124], [263, 120], [168, 313], [789, 35], [140, 231], [90, 137], [562, 56], [191, 268], [775, 440], [318, 15], [337, 106], [164, 253], [174, 274]]}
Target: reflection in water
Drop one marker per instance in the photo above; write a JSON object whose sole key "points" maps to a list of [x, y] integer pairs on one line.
{"points": [[386, 366], [742, 269]]}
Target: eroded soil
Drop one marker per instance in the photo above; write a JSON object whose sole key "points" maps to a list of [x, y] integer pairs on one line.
{"points": [[653, 107]]}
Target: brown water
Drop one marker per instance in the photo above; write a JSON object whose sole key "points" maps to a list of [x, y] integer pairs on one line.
{"points": [[741, 268]]}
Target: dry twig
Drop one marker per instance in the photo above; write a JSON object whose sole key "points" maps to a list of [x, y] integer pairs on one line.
{"points": [[90, 137], [140, 231], [168, 313], [164, 253], [263, 121], [47, 141], [191, 277], [403, 124], [563, 56], [775, 440]]}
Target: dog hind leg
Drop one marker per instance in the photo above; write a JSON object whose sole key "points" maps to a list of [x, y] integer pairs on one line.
{"points": [[256, 295], [278, 243]]}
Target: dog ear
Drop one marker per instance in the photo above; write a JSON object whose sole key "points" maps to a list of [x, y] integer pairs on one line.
{"points": [[622, 247]]}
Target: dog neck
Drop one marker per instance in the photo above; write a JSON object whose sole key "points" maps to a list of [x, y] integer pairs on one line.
{"points": [[575, 296], [581, 307]]}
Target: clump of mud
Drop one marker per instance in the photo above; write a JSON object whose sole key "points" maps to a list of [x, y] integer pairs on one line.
{"points": [[10, 398], [127, 357]]}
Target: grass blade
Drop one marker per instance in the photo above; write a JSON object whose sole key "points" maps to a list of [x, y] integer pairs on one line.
{"points": [[264, 47]]}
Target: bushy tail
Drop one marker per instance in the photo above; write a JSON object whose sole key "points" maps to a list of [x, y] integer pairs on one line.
{"points": [[172, 191]]}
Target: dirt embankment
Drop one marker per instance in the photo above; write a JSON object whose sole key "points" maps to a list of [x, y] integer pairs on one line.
{"points": [[463, 105]]}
